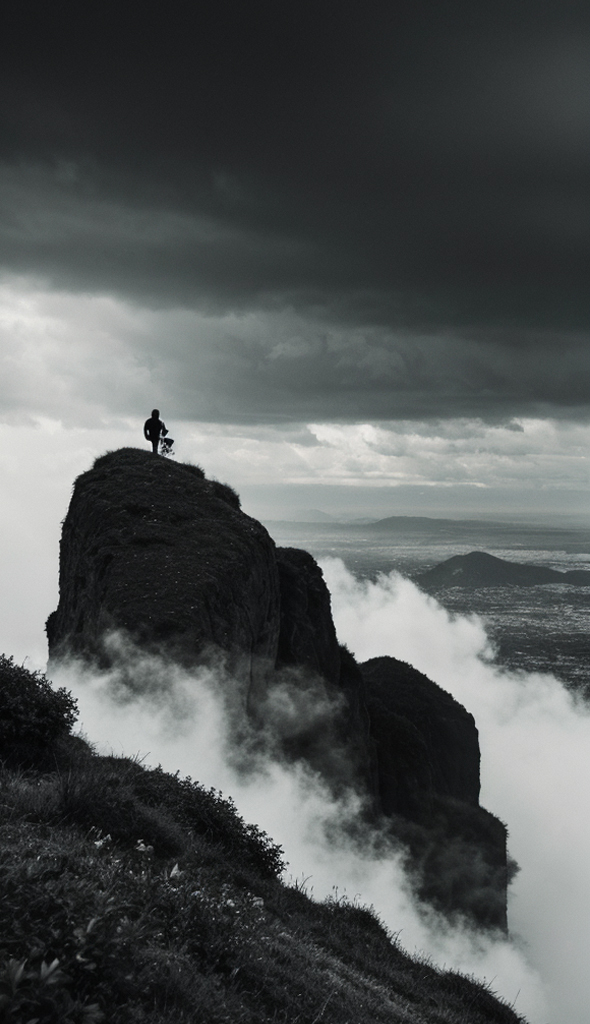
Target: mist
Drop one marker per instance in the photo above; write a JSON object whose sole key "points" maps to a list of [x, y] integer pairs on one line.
{"points": [[535, 752], [534, 740]]}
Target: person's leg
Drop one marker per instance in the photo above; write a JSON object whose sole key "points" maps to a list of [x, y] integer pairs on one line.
{"points": [[155, 442]]}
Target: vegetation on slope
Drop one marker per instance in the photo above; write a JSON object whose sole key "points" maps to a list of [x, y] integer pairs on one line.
{"points": [[131, 895]]}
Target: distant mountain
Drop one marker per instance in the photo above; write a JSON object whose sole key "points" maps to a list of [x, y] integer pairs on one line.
{"points": [[314, 517], [479, 569], [468, 533], [481, 532], [430, 525], [311, 515]]}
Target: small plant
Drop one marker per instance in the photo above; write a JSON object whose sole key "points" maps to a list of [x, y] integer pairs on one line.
{"points": [[35, 994], [190, 467], [102, 794], [166, 448]]}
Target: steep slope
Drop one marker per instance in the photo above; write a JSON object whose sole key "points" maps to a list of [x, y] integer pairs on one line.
{"points": [[136, 897], [132, 897]]}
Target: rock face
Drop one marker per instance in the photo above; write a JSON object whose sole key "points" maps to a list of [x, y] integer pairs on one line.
{"points": [[308, 642], [305, 603], [427, 743], [479, 569], [427, 751], [152, 548]]}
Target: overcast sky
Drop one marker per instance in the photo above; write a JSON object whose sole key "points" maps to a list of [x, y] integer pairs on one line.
{"points": [[348, 240]]}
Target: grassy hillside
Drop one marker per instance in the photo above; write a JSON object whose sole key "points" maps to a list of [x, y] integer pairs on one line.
{"points": [[131, 895]]}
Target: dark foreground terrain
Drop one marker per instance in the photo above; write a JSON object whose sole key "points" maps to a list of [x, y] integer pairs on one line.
{"points": [[130, 895]]}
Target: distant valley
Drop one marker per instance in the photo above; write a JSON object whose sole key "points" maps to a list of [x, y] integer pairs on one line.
{"points": [[533, 626], [426, 530]]}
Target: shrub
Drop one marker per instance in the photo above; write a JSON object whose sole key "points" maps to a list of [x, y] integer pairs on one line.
{"points": [[206, 812], [32, 714]]}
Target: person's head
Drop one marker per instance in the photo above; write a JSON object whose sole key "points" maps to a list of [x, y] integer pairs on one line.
{"points": [[155, 414]]}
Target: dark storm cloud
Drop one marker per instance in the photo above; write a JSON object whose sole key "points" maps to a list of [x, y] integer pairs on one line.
{"points": [[412, 177], [293, 371]]}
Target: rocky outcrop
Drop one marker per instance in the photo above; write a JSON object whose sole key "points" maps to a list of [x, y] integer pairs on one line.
{"points": [[151, 548], [479, 569], [307, 635], [154, 550], [308, 646], [427, 752], [427, 743]]}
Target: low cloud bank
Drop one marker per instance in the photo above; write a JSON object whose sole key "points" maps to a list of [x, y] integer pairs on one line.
{"points": [[535, 750], [188, 721], [534, 738]]}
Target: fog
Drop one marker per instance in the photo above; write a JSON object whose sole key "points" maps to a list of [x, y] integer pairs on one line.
{"points": [[535, 753], [534, 743]]}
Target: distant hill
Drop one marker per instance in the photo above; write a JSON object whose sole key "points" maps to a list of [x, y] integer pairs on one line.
{"points": [[479, 569], [311, 515], [474, 533], [491, 533]]}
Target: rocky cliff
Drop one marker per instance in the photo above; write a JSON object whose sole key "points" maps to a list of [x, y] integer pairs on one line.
{"points": [[427, 752], [152, 548], [426, 741]]}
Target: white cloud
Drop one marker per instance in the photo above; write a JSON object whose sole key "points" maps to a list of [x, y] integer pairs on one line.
{"points": [[183, 722], [535, 743], [539, 453]]}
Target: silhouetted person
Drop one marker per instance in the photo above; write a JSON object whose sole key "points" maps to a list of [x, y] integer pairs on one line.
{"points": [[153, 428]]}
